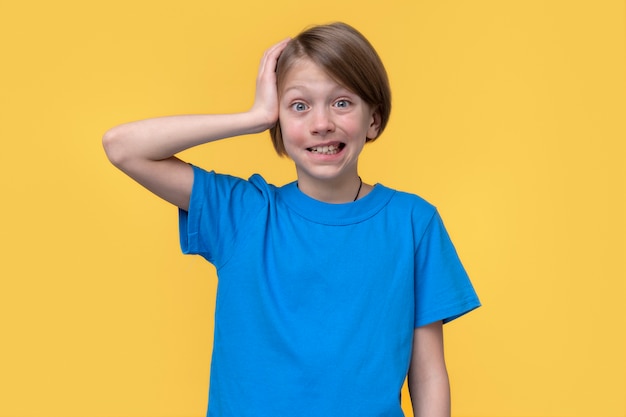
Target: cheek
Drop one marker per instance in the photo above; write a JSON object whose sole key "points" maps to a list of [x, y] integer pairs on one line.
{"points": [[292, 130], [292, 138], [355, 127]]}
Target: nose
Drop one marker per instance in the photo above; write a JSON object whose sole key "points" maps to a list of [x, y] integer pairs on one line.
{"points": [[322, 121]]}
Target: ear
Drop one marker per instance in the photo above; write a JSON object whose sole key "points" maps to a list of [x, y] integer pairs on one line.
{"points": [[374, 126]]}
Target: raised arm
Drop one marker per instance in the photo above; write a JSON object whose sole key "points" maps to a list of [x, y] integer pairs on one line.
{"points": [[145, 149], [428, 377]]}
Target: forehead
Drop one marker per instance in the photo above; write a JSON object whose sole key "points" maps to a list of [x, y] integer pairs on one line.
{"points": [[304, 73]]}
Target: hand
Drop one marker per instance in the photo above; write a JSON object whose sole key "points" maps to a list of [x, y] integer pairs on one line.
{"points": [[266, 97]]}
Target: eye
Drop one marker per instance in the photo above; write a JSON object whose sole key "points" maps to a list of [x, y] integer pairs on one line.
{"points": [[342, 103], [299, 106]]}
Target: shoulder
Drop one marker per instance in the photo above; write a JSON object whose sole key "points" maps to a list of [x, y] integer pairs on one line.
{"points": [[230, 184], [224, 195], [406, 201], [412, 214]]}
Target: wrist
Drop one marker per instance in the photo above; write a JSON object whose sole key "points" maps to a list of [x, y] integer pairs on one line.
{"points": [[261, 120]]}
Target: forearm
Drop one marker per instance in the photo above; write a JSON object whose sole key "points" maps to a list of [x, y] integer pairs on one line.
{"points": [[429, 385], [160, 138], [430, 397]]}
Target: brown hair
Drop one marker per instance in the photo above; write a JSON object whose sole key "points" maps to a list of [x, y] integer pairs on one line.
{"points": [[348, 57]]}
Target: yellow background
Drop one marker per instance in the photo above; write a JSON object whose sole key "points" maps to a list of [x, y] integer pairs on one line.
{"points": [[508, 115]]}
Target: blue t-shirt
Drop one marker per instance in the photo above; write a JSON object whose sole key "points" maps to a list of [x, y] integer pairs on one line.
{"points": [[316, 302]]}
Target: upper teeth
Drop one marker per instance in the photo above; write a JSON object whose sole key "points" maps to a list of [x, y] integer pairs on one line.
{"points": [[330, 149]]}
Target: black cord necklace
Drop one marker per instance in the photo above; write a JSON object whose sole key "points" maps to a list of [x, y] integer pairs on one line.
{"points": [[359, 190]]}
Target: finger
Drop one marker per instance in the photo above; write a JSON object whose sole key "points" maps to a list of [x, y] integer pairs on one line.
{"points": [[277, 48], [271, 55]]}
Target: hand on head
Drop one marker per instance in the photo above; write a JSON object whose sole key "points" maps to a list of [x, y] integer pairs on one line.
{"points": [[266, 96]]}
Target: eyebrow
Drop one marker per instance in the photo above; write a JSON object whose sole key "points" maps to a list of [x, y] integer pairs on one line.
{"points": [[338, 88], [295, 87]]}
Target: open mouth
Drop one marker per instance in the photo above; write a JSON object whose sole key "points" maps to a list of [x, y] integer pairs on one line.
{"points": [[327, 149]]}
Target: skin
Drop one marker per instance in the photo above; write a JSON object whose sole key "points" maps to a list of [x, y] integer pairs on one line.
{"points": [[314, 111], [428, 381]]}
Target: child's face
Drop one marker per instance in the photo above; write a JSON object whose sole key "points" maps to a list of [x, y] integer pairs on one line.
{"points": [[324, 125]]}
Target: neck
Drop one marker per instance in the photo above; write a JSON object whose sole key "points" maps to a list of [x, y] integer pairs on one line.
{"points": [[334, 191]]}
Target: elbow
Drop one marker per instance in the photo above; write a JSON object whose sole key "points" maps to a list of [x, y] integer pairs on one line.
{"points": [[113, 144]]}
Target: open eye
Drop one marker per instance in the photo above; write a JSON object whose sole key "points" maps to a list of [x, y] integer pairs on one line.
{"points": [[342, 104], [299, 106]]}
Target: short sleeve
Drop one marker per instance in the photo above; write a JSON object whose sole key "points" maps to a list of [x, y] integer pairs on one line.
{"points": [[220, 207], [443, 290]]}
